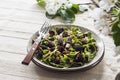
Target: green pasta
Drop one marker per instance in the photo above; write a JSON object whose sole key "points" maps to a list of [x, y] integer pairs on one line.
{"points": [[66, 47]]}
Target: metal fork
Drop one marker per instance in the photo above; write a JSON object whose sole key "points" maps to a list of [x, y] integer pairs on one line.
{"points": [[45, 27]]}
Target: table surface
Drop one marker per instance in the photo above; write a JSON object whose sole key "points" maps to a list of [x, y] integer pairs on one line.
{"points": [[19, 20]]}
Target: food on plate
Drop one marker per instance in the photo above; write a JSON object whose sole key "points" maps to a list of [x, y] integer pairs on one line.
{"points": [[66, 47]]}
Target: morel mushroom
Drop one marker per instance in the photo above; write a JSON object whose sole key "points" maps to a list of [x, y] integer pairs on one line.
{"points": [[60, 48], [59, 30], [60, 41], [51, 32], [79, 58], [78, 48]]}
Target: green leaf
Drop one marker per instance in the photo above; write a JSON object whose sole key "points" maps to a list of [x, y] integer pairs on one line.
{"points": [[72, 54], [56, 65], [115, 11], [116, 33], [45, 51], [62, 59], [87, 55], [67, 15], [50, 16], [74, 29], [41, 2], [75, 8], [65, 57]]}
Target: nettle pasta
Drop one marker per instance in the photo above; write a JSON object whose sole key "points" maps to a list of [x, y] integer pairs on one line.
{"points": [[66, 47]]}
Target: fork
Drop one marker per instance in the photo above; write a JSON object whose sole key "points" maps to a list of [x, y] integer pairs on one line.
{"points": [[45, 27]]}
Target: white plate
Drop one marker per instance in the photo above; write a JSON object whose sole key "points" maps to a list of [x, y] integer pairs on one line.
{"points": [[94, 62]]}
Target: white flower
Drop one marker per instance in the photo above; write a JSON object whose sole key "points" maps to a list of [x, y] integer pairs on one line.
{"points": [[99, 24], [115, 0], [106, 4], [52, 6], [97, 14], [103, 26], [105, 30], [68, 4]]}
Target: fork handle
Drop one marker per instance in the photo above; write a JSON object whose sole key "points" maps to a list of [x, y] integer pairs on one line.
{"points": [[30, 54]]}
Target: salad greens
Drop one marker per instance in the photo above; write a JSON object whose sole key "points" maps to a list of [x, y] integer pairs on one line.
{"points": [[115, 13], [66, 11], [65, 47]]}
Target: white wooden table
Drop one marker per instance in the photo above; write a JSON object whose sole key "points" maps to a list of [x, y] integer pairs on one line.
{"points": [[19, 19]]}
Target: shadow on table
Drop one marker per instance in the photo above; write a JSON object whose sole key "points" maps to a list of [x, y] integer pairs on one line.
{"points": [[95, 73]]}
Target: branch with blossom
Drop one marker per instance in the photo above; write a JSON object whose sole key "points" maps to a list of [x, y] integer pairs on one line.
{"points": [[107, 18]]}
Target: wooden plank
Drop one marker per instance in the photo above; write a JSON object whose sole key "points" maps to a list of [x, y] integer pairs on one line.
{"points": [[11, 77], [20, 26], [31, 27], [23, 16], [13, 45], [13, 34], [27, 16], [16, 3], [19, 19], [5, 12], [17, 10], [11, 65], [3, 22], [20, 4]]}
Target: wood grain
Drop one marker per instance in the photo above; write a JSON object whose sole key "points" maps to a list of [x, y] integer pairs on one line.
{"points": [[19, 19]]}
